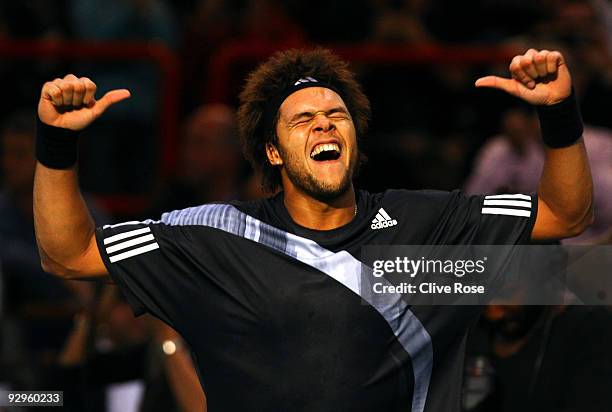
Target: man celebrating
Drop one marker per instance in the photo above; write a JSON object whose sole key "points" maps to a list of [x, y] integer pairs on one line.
{"points": [[267, 293]]}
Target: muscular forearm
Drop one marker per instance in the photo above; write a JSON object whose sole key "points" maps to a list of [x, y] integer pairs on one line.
{"points": [[566, 186], [64, 227]]}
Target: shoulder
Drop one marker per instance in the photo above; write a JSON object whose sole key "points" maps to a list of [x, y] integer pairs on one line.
{"points": [[204, 215], [177, 232], [415, 198]]}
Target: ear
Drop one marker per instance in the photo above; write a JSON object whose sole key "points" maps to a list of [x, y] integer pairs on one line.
{"points": [[273, 156]]}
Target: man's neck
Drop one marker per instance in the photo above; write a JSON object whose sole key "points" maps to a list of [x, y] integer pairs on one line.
{"points": [[315, 214]]}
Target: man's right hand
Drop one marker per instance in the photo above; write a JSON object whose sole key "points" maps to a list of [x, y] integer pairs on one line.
{"points": [[70, 102]]}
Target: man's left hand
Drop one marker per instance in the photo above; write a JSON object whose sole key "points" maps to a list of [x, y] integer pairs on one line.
{"points": [[538, 77]]}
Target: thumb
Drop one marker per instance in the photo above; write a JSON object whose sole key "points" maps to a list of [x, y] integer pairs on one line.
{"points": [[507, 85], [110, 98]]}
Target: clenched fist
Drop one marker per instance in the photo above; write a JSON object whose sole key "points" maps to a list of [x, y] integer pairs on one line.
{"points": [[70, 102], [538, 77]]}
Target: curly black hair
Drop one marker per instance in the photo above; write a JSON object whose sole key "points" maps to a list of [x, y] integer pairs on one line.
{"points": [[270, 79]]}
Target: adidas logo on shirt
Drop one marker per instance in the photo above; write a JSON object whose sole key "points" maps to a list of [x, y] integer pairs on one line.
{"points": [[382, 220], [509, 205], [120, 246]]}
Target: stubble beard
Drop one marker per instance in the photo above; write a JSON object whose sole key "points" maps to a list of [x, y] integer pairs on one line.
{"points": [[317, 188]]}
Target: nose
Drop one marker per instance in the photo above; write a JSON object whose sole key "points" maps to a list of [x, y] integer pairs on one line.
{"points": [[322, 123]]}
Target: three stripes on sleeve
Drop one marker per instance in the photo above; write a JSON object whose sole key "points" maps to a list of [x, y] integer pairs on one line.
{"points": [[510, 205], [128, 244]]}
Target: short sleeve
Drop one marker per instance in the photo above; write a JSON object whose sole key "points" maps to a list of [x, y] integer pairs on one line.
{"points": [[147, 260], [505, 219]]}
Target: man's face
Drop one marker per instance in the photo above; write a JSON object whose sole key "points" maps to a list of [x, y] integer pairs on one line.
{"points": [[317, 143]]}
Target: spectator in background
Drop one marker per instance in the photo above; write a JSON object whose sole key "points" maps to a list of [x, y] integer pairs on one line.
{"points": [[598, 143], [267, 20], [209, 164], [113, 362], [400, 21], [339, 21], [534, 359], [212, 25], [574, 22], [582, 27], [128, 129], [512, 162], [603, 11], [42, 306], [126, 20], [34, 19], [213, 21], [483, 21], [207, 26]]}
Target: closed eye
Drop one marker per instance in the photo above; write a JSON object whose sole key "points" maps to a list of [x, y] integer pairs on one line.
{"points": [[338, 116], [301, 118], [338, 113], [304, 118]]}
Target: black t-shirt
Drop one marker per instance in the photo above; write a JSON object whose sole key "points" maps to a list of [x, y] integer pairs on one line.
{"points": [[272, 311]]}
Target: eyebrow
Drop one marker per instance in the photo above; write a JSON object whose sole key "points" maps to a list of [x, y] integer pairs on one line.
{"points": [[333, 110]]}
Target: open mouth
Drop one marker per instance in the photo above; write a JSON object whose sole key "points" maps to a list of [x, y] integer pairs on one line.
{"points": [[325, 152]]}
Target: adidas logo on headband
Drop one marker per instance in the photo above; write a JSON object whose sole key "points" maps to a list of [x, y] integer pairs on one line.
{"points": [[272, 105], [306, 80]]}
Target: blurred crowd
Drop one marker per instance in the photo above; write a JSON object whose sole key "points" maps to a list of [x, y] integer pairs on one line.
{"points": [[430, 129]]}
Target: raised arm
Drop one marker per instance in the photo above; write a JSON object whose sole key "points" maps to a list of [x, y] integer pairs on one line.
{"points": [[64, 227], [565, 192]]}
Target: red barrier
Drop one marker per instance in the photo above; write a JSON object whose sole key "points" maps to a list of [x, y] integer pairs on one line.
{"points": [[234, 53]]}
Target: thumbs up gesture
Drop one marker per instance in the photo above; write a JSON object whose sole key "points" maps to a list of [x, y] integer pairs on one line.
{"points": [[70, 102], [538, 77]]}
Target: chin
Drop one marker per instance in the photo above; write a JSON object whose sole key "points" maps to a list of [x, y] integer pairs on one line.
{"points": [[327, 190]]}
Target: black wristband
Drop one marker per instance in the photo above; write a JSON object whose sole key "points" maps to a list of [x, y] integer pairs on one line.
{"points": [[561, 123], [56, 148]]}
